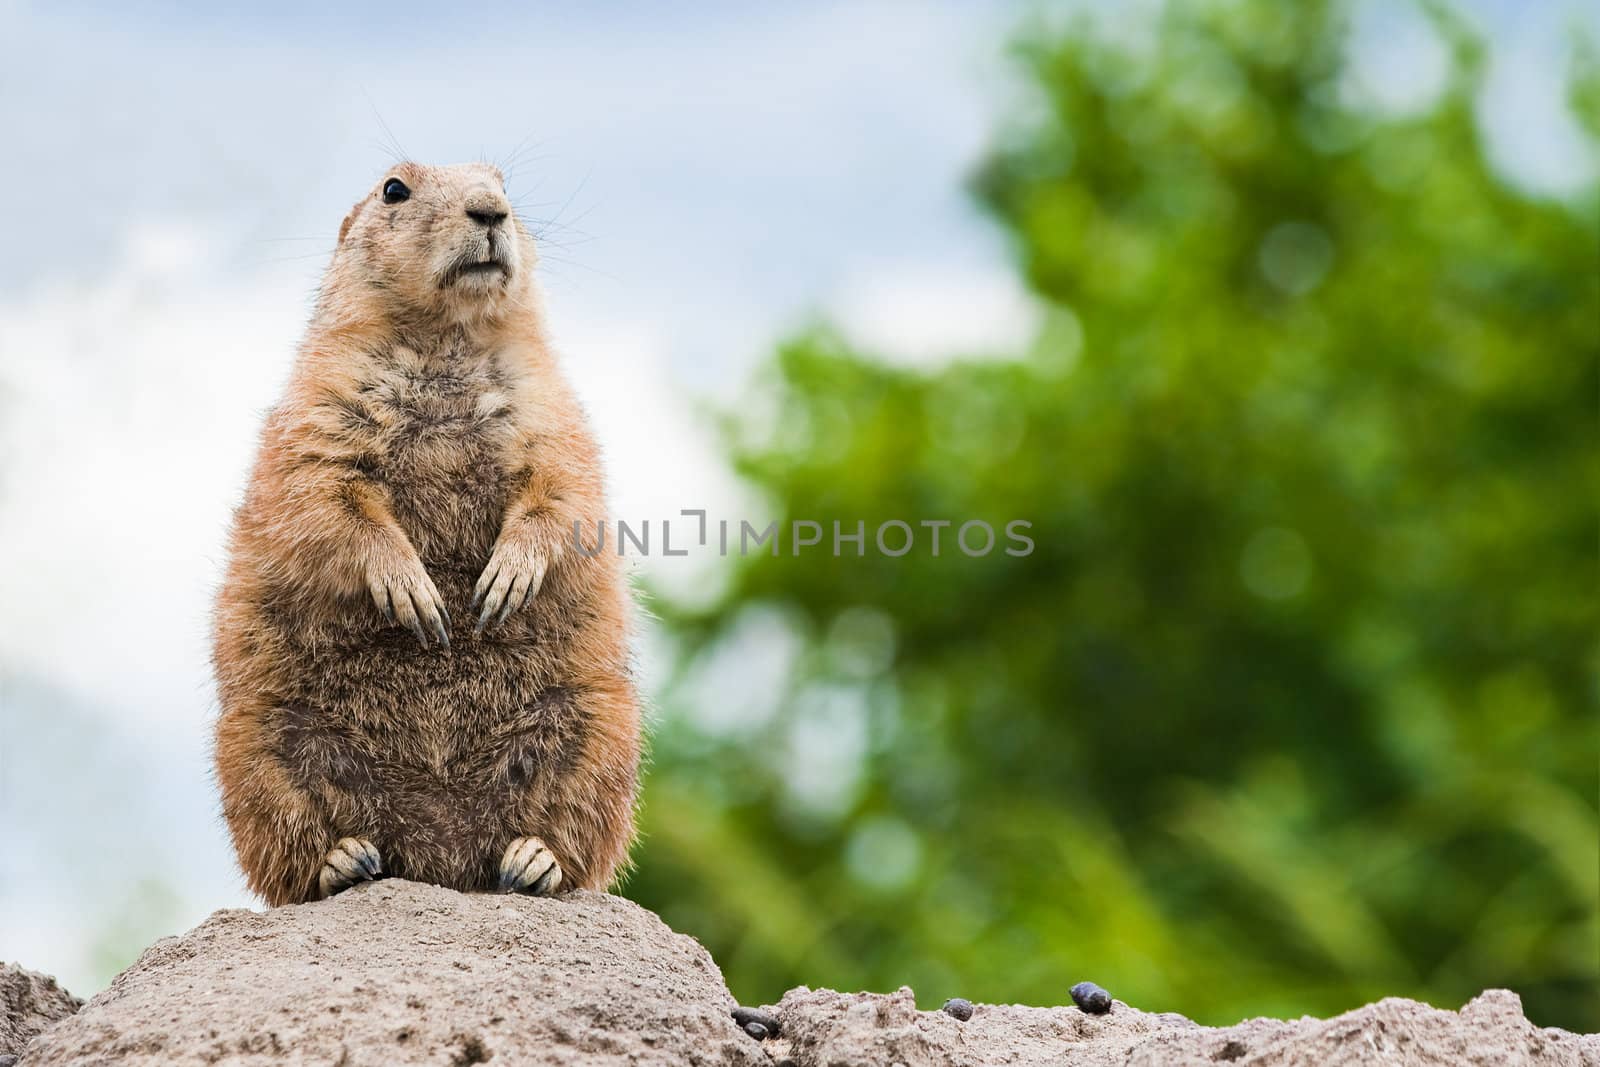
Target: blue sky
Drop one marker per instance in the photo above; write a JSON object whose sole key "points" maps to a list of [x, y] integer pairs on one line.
{"points": [[711, 179]]}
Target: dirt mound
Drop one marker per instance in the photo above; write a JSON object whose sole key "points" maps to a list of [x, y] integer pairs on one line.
{"points": [[395, 972], [820, 1027], [29, 1003]]}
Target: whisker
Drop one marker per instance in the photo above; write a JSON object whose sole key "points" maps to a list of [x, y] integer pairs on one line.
{"points": [[568, 202], [557, 224], [565, 261], [513, 162], [295, 259], [565, 245], [397, 154]]}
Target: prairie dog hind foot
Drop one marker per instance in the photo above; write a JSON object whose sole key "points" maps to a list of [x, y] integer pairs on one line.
{"points": [[529, 867], [352, 860]]}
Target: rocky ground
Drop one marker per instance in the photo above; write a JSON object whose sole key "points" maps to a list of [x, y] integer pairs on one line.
{"points": [[397, 973], [29, 1003]]}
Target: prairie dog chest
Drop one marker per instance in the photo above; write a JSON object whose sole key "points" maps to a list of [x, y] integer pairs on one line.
{"points": [[438, 415], [443, 432]]}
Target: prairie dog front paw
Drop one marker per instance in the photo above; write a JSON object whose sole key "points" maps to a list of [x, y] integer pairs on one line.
{"points": [[404, 593], [512, 577], [529, 867]]}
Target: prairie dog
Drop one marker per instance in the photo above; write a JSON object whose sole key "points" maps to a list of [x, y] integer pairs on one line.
{"points": [[418, 674]]}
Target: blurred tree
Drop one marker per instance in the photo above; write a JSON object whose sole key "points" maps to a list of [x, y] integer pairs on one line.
{"points": [[1292, 705]]}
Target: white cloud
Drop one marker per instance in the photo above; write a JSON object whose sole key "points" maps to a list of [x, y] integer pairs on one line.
{"points": [[922, 315], [132, 405], [662, 455]]}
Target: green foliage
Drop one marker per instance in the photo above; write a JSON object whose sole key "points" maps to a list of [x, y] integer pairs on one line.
{"points": [[1292, 705]]}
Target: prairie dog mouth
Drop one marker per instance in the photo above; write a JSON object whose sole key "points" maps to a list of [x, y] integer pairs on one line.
{"points": [[478, 268]]}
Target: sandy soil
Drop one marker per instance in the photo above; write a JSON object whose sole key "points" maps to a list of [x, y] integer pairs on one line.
{"points": [[400, 973], [29, 1003]]}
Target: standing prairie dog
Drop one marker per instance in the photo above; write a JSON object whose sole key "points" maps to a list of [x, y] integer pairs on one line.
{"points": [[419, 673]]}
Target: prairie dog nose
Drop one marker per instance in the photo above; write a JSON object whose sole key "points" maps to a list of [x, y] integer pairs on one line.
{"points": [[487, 208]]}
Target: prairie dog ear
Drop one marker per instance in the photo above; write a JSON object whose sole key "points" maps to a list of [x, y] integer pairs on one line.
{"points": [[349, 220]]}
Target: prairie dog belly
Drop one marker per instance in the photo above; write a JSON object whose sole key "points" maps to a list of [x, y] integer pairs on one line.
{"points": [[424, 750], [430, 777]]}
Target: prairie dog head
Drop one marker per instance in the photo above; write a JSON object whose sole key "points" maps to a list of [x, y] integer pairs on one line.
{"points": [[436, 242]]}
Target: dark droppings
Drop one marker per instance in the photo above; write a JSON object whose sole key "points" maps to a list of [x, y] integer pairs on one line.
{"points": [[1091, 998], [751, 1019], [959, 1007]]}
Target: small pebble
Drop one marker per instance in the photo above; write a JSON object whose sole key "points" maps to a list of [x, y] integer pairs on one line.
{"points": [[1091, 998], [746, 1017], [757, 1031], [960, 1007]]}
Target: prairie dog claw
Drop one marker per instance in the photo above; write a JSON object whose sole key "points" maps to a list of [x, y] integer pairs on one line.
{"points": [[408, 596], [529, 867], [352, 860], [510, 580]]}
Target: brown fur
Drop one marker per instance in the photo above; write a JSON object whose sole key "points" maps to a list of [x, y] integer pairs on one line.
{"points": [[425, 429]]}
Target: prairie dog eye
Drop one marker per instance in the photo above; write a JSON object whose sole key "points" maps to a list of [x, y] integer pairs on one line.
{"points": [[395, 191]]}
